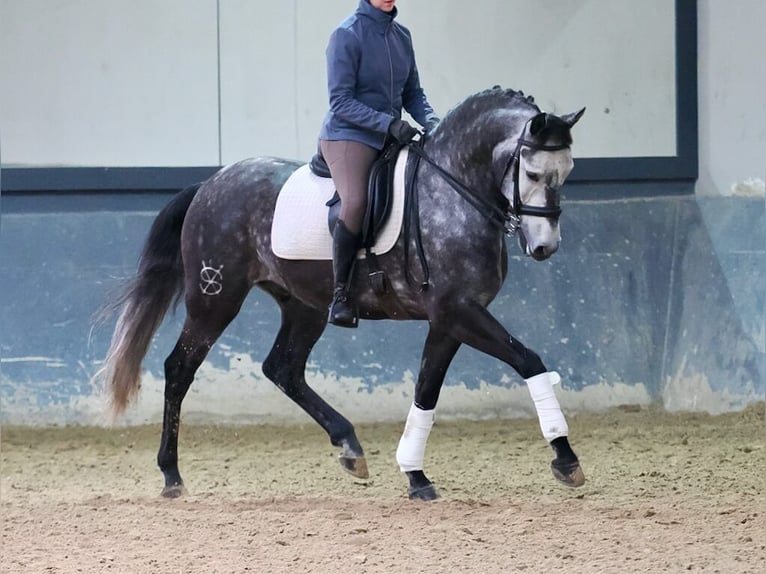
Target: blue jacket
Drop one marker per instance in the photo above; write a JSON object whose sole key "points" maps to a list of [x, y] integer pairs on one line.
{"points": [[371, 76]]}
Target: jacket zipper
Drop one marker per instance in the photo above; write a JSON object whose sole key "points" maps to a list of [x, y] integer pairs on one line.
{"points": [[391, 72]]}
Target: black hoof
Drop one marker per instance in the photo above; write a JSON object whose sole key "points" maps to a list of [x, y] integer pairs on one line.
{"points": [[355, 466], [174, 491], [568, 473], [420, 487], [426, 493]]}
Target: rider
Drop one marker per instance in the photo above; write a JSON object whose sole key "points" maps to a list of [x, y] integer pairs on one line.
{"points": [[371, 76]]}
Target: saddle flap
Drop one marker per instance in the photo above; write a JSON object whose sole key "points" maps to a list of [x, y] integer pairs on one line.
{"points": [[380, 193]]}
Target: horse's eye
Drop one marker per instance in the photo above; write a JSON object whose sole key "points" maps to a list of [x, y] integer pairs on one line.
{"points": [[533, 176]]}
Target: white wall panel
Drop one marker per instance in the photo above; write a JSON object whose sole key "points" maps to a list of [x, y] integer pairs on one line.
{"points": [[617, 57], [108, 82], [732, 128], [258, 90]]}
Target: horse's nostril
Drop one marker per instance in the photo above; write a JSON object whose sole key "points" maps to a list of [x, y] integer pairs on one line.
{"points": [[543, 252]]}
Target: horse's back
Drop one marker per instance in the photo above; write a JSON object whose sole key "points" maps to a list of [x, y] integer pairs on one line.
{"points": [[227, 228], [263, 176], [243, 190]]}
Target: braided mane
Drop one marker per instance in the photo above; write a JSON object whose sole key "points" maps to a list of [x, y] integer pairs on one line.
{"points": [[490, 99]]}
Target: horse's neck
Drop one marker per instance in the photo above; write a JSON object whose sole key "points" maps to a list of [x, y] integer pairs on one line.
{"points": [[466, 144], [465, 147]]}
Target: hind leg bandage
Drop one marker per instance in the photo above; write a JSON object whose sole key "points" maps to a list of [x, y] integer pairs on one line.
{"points": [[552, 421], [412, 445]]}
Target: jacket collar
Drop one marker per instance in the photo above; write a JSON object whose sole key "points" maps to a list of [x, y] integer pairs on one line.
{"points": [[382, 18]]}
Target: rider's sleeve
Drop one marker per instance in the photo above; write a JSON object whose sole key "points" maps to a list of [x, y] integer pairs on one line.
{"points": [[414, 98]]}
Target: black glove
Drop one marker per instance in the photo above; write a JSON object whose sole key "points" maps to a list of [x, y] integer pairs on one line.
{"points": [[402, 132]]}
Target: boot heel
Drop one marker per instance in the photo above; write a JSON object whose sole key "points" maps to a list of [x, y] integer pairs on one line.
{"points": [[342, 313]]}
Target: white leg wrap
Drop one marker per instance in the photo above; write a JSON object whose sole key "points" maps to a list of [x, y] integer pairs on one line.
{"points": [[552, 421], [412, 445]]}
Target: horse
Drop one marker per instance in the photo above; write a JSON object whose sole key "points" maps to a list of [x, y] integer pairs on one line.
{"points": [[493, 167]]}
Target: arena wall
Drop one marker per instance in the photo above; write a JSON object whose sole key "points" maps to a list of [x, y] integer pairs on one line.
{"points": [[657, 296], [656, 300]]}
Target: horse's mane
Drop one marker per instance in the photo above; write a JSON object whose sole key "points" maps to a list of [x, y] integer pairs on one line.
{"points": [[497, 92], [495, 97], [498, 98]]}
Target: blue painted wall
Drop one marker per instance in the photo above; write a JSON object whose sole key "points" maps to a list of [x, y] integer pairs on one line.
{"points": [[648, 300]]}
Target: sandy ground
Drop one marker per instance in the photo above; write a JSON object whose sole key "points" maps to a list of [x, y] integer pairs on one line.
{"points": [[665, 493]]}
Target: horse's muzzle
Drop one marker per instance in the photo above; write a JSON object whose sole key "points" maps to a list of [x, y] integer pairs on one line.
{"points": [[542, 252], [539, 253]]}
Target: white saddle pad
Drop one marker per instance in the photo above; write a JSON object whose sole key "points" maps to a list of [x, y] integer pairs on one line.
{"points": [[299, 229]]}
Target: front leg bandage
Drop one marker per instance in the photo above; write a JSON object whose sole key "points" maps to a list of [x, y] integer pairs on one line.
{"points": [[412, 445], [552, 421]]}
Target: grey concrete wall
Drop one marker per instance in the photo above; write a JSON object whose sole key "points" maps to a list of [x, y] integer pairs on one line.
{"points": [[652, 300]]}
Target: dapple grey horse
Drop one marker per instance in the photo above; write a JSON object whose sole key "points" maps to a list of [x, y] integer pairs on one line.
{"points": [[494, 166]]}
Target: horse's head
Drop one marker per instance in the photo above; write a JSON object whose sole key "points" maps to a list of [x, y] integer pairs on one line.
{"points": [[534, 166]]}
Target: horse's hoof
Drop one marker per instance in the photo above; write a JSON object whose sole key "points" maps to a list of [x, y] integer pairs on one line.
{"points": [[354, 466], [427, 493], [174, 491], [570, 474]]}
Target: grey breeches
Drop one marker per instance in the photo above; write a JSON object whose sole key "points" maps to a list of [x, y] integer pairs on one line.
{"points": [[350, 163]]}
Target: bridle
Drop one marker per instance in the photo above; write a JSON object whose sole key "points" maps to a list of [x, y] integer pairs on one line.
{"points": [[517, 208]]}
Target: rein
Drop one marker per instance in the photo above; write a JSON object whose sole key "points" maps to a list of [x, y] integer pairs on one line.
{"points": [[496, 215]]}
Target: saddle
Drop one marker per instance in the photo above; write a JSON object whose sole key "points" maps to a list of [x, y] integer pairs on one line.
{"points": [[379, 193]]}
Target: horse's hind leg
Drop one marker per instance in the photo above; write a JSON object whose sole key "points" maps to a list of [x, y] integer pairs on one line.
{"points": [[285, 366], [203, 325]]}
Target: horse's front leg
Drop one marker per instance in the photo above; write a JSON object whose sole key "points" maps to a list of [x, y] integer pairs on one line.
{"points": [[473, 325], [438, 352]]}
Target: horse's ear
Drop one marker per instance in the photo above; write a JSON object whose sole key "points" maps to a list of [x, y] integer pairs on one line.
{"points": [[538, 123], [572, 119]]}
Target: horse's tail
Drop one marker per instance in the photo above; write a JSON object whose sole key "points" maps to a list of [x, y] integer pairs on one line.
{"points": [[144, 301]]}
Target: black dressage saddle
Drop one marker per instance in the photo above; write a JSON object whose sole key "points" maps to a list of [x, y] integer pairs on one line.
{"points": [[380, 192]]}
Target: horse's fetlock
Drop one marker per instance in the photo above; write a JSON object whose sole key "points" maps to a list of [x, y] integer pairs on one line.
{"points": [[343, 435], [563, 450]]}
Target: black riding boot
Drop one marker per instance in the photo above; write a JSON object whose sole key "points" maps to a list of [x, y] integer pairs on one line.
{"points": [[343, 311]]}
